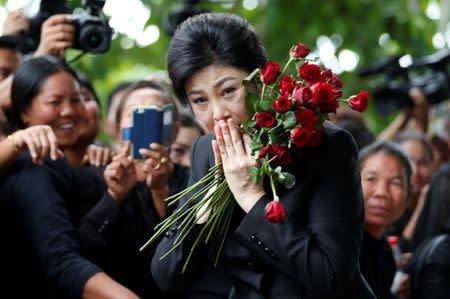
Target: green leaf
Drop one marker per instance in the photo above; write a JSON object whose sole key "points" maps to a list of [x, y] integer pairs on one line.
{"points": [[289, 180], [273, 137], [265, 105], [255, 145], [289, 120], [251, 102], [255, 174]]}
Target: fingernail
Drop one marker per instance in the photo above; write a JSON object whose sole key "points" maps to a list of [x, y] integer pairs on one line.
{"points": [[141, 151]]}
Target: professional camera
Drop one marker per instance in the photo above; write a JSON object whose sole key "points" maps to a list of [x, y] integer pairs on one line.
{"points": [[429, 73], [93, 33]]}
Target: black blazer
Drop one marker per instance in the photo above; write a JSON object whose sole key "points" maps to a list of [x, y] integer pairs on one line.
{"points": [[312, 254]]}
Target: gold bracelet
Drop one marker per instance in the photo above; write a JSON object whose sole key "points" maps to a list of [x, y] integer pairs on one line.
{"points": [[13, 142]]}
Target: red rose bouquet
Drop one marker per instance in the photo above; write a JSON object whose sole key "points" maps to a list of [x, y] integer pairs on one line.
{"points": [[288, 113]]}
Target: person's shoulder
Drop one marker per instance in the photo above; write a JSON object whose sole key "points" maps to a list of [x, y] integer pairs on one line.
{"points": [[336, 137], [202, 148], [25, 170], [203, 142]]}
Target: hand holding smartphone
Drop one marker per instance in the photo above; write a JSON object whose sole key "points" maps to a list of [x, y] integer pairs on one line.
{"points": [[151, 124]]}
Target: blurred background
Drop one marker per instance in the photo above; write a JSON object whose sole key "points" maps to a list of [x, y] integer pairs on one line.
{"points": [[382, 46]]}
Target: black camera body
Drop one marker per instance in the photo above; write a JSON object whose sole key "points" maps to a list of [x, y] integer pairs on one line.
{"points": [[429, 73], [92, 32]]}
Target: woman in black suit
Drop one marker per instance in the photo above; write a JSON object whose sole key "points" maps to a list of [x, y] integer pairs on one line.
{"points": [[314, 251]]}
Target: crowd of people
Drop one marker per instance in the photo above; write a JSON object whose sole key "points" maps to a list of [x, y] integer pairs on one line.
{"points": [[76, 210]]}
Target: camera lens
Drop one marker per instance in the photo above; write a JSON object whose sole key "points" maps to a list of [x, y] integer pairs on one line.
{"points": [[94, 40]]}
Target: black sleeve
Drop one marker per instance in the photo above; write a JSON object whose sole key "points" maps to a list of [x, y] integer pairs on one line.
{"points": [[97, 227], [167, 271], [435, 274], [43, 215], [322, 255]]}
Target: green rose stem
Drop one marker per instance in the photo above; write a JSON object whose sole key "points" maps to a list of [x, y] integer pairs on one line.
{"points": [[274, 189], [182, 211], [220, 203]]}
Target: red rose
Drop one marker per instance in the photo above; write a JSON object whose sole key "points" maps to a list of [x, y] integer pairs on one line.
{"points": [[316, 137], [310, 72], [299, 51], [336, 81], [303, 96], [270, 72], [275, 212], [360, 101], [301, 136], [282, 156], [282, 104], [337, 93], [326, 73], [324, 97], [306, 118], [287, 85], [265, 119], [265, 151]]}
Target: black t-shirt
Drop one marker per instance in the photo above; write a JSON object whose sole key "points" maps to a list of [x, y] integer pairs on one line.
{"points": [[377, 265]]}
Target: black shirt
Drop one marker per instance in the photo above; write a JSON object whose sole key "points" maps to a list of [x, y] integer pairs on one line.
{"points": [[377, 265], [40, 251]]}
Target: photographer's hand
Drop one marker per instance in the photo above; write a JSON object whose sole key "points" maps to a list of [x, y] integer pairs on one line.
{"points": [[15, 22], [158, 168], [57, 34], [120, 175], [420, 109]]}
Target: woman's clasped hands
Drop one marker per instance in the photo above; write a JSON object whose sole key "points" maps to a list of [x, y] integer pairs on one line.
{"points": [[232, 148]]}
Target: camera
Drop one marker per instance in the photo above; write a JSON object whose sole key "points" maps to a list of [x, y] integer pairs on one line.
{"points": [[429, 73], [93, 33]]}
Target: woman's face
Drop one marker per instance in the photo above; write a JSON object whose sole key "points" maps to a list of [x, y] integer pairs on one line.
{"points": [[383, 180], [181, 147], [90, 125], [216, 92], [422, 166], [58, 104]]}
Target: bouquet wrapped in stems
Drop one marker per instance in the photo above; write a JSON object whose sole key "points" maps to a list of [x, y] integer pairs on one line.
{"points": [[288, 112]]}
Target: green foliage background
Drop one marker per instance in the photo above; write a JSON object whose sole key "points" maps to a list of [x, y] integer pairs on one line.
{"points": [[281, 23]]}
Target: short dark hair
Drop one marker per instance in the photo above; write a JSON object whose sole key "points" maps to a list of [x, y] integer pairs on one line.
{"points": [[416, 136], [212, 38], [389, 148], [86, 82], [28, 79], [158, 85], [117, 88]]}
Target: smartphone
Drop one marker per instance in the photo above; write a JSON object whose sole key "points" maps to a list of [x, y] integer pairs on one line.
{"points": [[150, 124]]}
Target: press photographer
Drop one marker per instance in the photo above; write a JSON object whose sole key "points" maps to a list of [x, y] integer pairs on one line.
{"points": [[430, 74], [89, 32]]}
